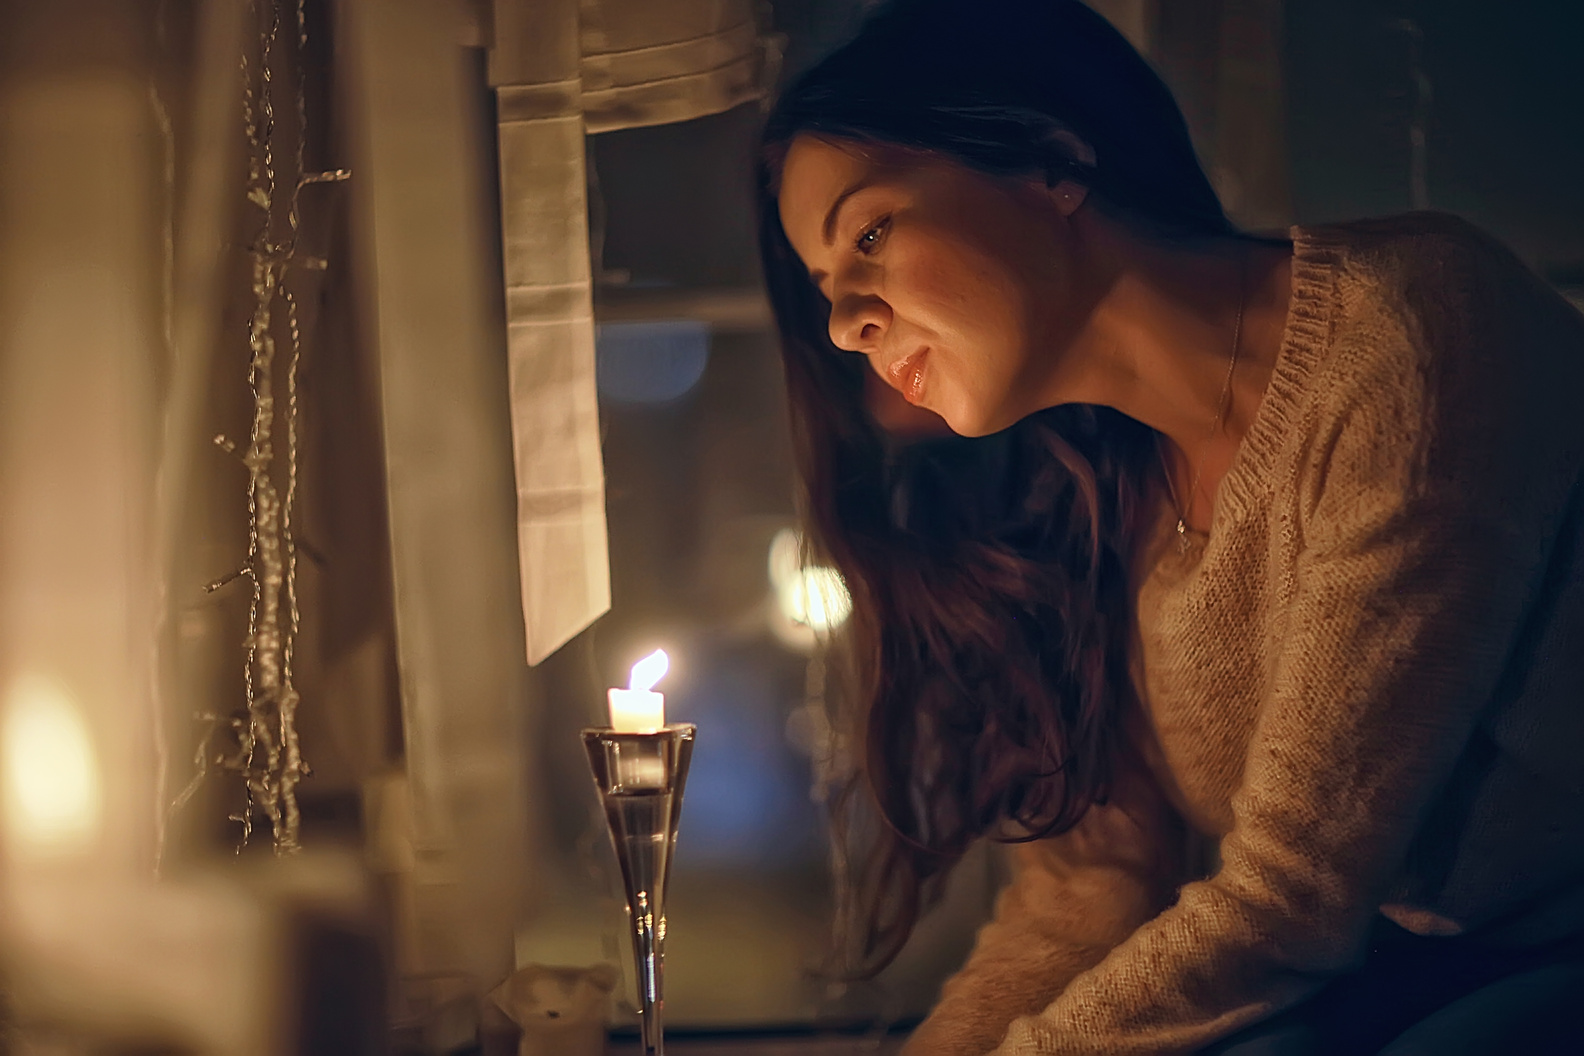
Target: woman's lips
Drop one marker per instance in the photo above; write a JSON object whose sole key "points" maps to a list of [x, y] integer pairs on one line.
{"points": [[907, 376]]}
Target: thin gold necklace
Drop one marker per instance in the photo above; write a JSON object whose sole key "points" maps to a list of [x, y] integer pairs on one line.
{"points": [[1215, 423]]}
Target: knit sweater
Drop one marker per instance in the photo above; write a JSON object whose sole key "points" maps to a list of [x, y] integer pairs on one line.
{"points": [[1364, 686]]}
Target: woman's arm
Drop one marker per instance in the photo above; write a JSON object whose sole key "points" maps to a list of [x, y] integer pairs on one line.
{"points": [[1072, 898]]}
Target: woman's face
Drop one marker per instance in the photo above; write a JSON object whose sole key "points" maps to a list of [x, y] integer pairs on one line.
{"points": [[960, 288]]}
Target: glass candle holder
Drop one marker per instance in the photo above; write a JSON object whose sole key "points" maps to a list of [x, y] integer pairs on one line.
{"points": [[640, 777]]}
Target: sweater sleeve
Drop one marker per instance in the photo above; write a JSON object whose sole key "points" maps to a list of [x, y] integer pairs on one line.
{"points": [[1072, 898], [1429, 495]]}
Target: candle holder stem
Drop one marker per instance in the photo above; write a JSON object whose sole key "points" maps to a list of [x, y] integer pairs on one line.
{"points": [[640, 778]]}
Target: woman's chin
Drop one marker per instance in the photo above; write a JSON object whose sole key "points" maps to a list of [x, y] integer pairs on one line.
{"points": [[897, 416], [894, 414], [972, 421]]}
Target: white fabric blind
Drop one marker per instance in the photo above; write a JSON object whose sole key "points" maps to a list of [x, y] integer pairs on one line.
{"points": [[562, 69]]}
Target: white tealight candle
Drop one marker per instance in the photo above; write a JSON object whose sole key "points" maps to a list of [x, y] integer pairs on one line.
{"points": [[638, 708]]}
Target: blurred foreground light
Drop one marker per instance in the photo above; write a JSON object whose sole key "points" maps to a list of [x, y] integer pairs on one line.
{"points": [[49, 776], [817, 597], [786, 556], [650, 362], [811, 596]]}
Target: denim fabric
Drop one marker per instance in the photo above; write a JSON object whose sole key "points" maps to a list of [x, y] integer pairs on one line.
{"points": [[1417, 996]]}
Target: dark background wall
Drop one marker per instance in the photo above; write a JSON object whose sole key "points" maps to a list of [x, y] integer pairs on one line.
{"points": [[1505, 128]]}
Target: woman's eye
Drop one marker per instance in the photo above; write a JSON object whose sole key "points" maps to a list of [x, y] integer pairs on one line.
{"points": [[871, 237]]}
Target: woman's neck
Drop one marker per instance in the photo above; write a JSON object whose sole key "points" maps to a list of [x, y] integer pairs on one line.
{"points": [[1182, 338]]}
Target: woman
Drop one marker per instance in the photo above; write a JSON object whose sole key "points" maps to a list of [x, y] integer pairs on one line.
{"points": [[1164, 537]]}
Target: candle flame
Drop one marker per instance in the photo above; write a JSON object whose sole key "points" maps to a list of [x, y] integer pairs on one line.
{"points": [[649, 670]]}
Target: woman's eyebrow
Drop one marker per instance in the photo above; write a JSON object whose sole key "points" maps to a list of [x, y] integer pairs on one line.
{"points": [[828, 231], [828, 228]]}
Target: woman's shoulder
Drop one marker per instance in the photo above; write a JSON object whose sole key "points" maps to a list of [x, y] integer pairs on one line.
{"points": [[1435, 296], [1425, 265], [1409, 245], [1423, 339], [1445, 352]]}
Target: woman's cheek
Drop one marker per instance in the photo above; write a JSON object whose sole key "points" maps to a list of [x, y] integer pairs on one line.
{"points": [[955, 396]]}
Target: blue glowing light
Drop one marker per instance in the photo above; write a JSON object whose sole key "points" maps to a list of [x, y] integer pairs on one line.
{"points": [[650, 362]]}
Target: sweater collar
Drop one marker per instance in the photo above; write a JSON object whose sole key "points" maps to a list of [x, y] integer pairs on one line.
{"points": [[1305, 338]]}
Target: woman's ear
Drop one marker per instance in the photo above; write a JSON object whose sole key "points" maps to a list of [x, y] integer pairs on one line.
{"points": [[1076, 153], [1068, 196]]}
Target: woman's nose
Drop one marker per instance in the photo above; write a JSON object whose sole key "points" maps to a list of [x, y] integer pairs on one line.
{"points": [[858, 322]]}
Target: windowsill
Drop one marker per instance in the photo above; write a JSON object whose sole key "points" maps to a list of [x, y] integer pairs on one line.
{"points": [[768, 1045]]}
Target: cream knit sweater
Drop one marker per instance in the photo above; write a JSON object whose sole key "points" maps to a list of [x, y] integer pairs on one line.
{"points": [[1366, 683]]}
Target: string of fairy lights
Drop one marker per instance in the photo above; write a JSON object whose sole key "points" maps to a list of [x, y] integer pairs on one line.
{"points": [[264, 749]]}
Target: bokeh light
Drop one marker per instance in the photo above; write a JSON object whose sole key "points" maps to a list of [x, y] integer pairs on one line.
{"points": [[811, 596], [49, 774], [650, 362]]}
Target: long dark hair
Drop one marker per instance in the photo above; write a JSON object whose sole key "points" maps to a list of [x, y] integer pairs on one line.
{"points": [[991, 631]]}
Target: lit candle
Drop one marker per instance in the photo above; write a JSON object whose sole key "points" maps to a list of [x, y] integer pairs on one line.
{"points": [[638, 708]]}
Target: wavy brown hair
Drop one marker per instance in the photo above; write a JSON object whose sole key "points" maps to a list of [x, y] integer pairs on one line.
{"points": [[992, 621]]}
